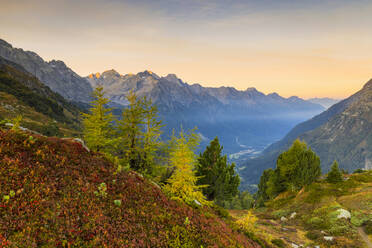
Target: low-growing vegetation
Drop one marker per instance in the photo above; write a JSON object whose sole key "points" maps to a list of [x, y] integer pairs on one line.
{"points": [[54, 193], [311, 216]]}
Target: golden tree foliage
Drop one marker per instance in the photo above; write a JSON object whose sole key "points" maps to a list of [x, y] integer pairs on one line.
{"points": [[97, 124], [139, 134], [247, 223], [182, 183]]}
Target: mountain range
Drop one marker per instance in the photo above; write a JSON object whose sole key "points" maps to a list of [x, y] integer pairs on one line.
{"points": [[21, 93], [245, 121], [326, 102], [54, 74], [342, 133], [171, 94]]}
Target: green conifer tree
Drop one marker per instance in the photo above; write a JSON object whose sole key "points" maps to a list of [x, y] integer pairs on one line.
{"points": [[138, 140], [334, 175], [213, 170], [264, 193], [246, 199], [97, 124], [130, 138], [297, 167], [151, 136]]}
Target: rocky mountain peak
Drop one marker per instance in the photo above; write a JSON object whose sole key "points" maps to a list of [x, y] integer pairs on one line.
{"points": [[57, 63], [294, 98], [274, 95], [251, 89], [94, 75], [54, 74], [108, 73], [253, 92], [368, 85], [173, 79], [5, 44], [148, 73]]}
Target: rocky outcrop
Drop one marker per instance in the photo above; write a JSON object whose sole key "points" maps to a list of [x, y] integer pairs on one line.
{"points": [[343, 214]]}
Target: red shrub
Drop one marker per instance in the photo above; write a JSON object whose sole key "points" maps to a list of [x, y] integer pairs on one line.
{"points": [[52, 186]]}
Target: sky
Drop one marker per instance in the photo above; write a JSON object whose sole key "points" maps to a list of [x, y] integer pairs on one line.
{"points": [[292, 47]]}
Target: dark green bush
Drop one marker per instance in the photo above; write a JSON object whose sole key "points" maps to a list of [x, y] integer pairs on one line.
{"points": [[365, 177], [358, 171], [313, 235], [221, 211], [368, 227], [278, 242], [316, 222], [358, 218], [335, 175]]}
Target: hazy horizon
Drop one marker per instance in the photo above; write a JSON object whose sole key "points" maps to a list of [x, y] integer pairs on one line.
{"points": [[317, 49]]}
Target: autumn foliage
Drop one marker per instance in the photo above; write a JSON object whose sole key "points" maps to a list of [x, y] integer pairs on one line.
{"points": [[54, 193]]}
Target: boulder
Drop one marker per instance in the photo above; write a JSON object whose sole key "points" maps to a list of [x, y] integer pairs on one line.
{"points": [[328, 238], [283, 219], [342, 213], [293, 215]]}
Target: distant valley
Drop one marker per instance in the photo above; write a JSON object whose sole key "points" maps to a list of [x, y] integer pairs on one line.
{"points": [[326, 102], [245, 121], [342, 133]]}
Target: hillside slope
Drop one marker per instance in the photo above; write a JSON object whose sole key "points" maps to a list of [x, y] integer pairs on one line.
{"points": [[325, 101], [342, 132], [57, 194], [54, 74], [23, 94], [311, 216], [348, 136]]}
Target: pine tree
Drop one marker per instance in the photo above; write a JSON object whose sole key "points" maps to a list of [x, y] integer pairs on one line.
{"points": [[139, 134], [334, 175], [151, 136], [297, 167], [243, 200], [97, 125], [246, 199], [130, 138], [264, 191], [214, 171], [182, 184]]}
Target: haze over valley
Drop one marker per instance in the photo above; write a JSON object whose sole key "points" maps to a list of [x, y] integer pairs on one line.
{"points": [[246, 121]]}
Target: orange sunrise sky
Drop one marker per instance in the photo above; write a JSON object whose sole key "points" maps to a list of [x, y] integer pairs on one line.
{"points": [[304, 48]]}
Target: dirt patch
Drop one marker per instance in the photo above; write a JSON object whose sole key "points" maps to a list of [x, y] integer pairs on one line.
{"points": [[364, 237]]}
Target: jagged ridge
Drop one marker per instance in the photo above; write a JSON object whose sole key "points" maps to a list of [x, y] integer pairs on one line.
{"points": [[54, 74]]}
